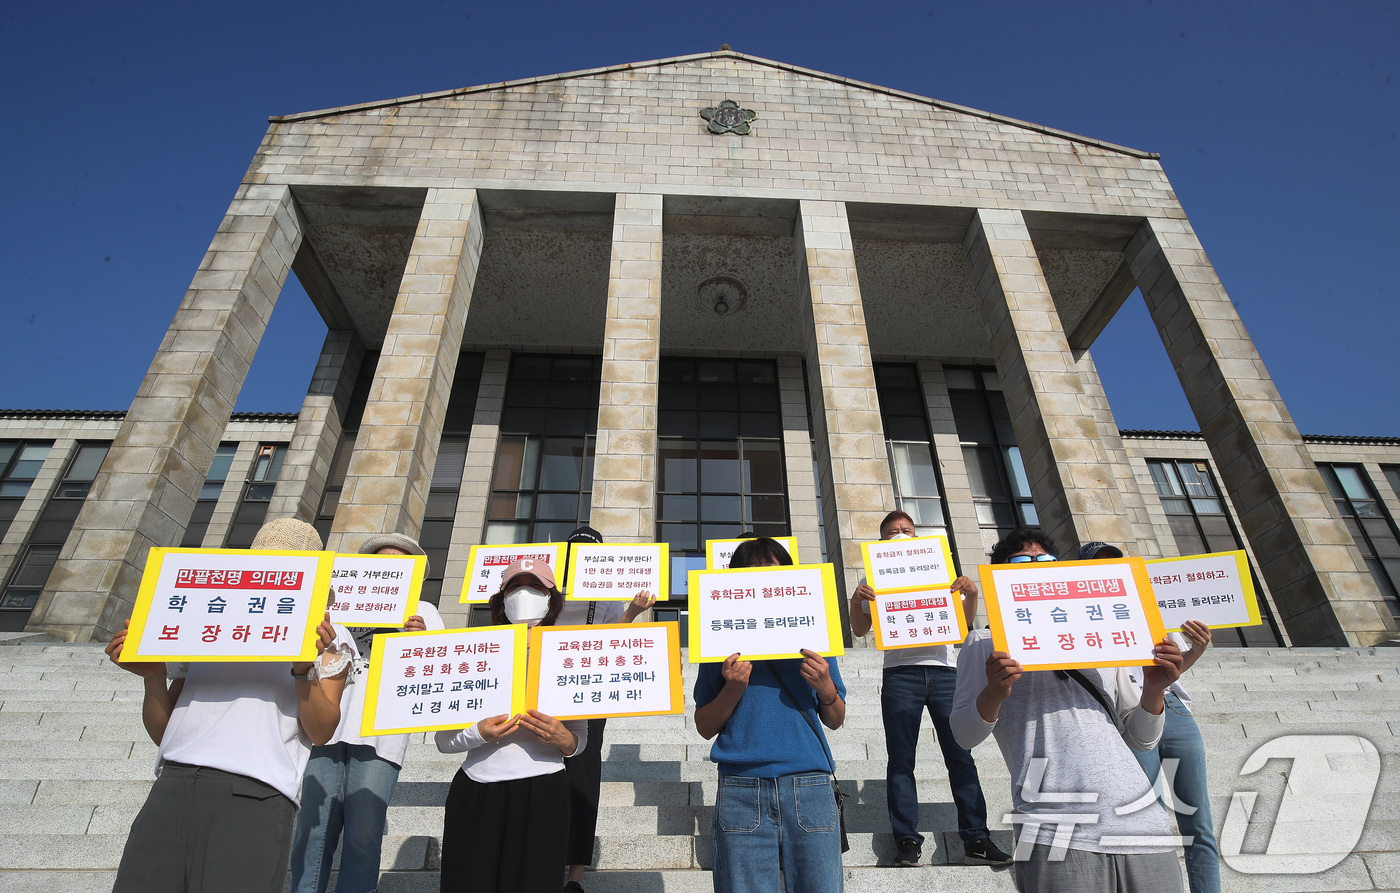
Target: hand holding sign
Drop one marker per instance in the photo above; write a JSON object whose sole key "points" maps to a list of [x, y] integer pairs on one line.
{"points": [[114, 654]]}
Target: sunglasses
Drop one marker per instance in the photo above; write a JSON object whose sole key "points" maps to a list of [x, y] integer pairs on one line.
{"points": [[1019, 559]]}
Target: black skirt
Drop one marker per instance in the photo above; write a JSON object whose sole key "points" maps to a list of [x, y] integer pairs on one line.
{"points": [[505, 836]]}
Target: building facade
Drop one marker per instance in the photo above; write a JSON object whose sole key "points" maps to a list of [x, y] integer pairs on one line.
{"points": [[685, 298]]}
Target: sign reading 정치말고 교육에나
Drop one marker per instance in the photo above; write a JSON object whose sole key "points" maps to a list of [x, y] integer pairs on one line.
{"points": [[764, 613], [911, 618], [617, 571], [1216, 589], [1062, 615], [718, 552], [487, 564], [917, 562], [432, 680], [228, 605], [376, 590], [589, 672]]}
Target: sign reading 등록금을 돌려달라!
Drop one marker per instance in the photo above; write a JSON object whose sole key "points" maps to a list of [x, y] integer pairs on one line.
{"points": [[1216, 589], [228, 605], [617, 571], [376, 590], [487, 564], [764, 613], [917, 562], [591, 672], [1062, 615], [912, 618], [452, 679]]}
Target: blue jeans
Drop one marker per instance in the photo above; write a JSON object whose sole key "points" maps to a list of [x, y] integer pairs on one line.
{"points": [[764, 824], [346, 787], [906, 693], [1181, 740]]}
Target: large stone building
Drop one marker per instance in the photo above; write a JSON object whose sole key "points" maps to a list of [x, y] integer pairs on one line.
{"points": [[682, 298]]}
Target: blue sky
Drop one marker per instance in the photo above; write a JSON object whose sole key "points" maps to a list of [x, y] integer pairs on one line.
{"points": [[128, 128]]}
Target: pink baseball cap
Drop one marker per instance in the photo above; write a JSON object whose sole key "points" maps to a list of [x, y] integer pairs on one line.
{"points": [[531, 567]]}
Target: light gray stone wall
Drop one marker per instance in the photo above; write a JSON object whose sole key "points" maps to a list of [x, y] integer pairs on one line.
{"points": [[803, 520], [1319, 582], [969, 543], [386, 487], [146, 490]]}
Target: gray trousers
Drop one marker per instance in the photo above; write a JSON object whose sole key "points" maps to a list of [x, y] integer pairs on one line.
{"points": [[1085, 872], [207, 831]]}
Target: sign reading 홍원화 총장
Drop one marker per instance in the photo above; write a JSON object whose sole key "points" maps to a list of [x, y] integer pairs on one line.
{"points": [[617, 571], [1216, 589], [376, 590], [228, 605], [764, 612], [1069, 614], [487, 564], [589, 672], [452, 679]]}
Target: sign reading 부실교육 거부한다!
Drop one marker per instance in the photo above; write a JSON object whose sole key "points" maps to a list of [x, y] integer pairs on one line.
{"points": [[718, 552], [1068, 614], [376, 590], [591, 672], [427, 681], [617, 571], [764, 613], [487, 564], [228, 605], [1216, 589]]}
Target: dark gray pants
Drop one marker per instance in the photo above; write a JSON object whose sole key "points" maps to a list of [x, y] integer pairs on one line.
{"points": [[207, 831], [1085, 872]]}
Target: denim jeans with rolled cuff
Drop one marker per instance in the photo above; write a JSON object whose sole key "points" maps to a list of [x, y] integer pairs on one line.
{"points": [[762, 825], [1181, 741], [346, 789]]}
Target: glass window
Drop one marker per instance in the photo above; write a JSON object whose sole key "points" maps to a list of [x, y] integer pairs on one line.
{"points": [[82, 469], [20, 462], [1371, 528], [218, 471], [909, 446], [1001, 490]]}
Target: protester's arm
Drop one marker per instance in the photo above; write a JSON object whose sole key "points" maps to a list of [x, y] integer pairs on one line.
{"points": [[489, 731], [711, 716], [318, 696], [969, 600], [831, 700], [638, 606], [160, 695], [969, 728], [1198, 634], [570, 737], [860, 612], [1144, 720]]}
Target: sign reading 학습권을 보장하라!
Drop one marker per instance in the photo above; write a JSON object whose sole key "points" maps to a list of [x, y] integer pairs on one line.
{"points": [[592, 672], [1216, 589], [912, 618], [764, 613], [487, 564], [228, 605], [617, 571], [1060, 615], [376, 590]]}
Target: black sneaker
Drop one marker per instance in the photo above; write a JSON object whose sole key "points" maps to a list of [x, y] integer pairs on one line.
{"points": [[984, 852], [908, 855], [573, 887]]}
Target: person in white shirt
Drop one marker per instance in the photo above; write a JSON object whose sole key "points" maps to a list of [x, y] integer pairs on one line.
{"points": [[506, 825], [350, 780], [234, 739], [1068, 739], [915, 680]]}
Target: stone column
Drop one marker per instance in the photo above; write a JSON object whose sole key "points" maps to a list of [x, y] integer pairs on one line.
{"points": [[146, 490], [1319, 582], [624, 467], [386, 486], [852, 468], [318, 428], [231, 495], [469, 524], [969, 547], [803, 520], [33, 505], [1069, 457]]}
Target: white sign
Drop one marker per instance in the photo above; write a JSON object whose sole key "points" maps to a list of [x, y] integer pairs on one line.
{"points": [[487, 564], [585, 672], [763, 613], [718, 552], [617, 571], [918, 562], [375, 590], [918, 617], [1216, 589]]}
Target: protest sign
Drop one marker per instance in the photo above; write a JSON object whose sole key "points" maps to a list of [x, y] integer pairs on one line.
{"points": [[1216, 589], [228, 605], [1061, 615], [921, 562], [909, 618], [486, 564], [764, 612], [376, 590], [589, 672], [718, 552], [617, 571], [426, 681]]}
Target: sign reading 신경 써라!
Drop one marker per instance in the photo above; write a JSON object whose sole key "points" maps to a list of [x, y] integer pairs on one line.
{"points": [[718, 552], [487, 564], [590, 672], [228, 605], [1068, 614], [764, 612], [617, 571], [1216, 589], [376, 590], [426, 681]]}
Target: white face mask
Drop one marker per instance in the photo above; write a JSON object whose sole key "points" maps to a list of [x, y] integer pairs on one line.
{"points": [[526, 605], [901, 536]]}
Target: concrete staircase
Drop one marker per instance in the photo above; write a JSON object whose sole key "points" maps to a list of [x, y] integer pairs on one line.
{"points": [[75, 766]]}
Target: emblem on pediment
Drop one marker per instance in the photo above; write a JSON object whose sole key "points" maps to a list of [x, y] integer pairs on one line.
{"points": [[727, 117]]}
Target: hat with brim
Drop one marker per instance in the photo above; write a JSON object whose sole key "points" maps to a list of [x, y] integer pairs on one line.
{"points": [[391, 540], [585, 535], [1090, 551], [287, 535], [530, 567]]}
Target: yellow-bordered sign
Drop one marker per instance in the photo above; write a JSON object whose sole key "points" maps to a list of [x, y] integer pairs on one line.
{"points": [[920, 562], [1216, 588], [718, 552], [228, 605], [917, 610], [416, 566], [597, 569], [793, 618], [487, 563], [595, 651], [397, 660]]}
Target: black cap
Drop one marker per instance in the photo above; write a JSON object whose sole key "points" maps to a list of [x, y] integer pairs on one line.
{"points": [[585, 535], [1089, 551]]}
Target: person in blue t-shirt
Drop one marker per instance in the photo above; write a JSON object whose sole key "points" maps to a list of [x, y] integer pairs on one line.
{"points": [[776, 807]]}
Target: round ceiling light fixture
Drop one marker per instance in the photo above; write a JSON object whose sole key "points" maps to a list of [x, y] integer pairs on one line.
{"points": [[722, 295]]}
